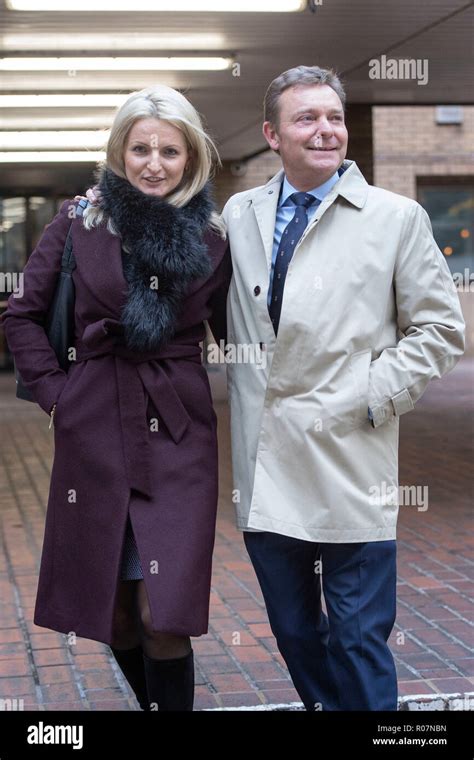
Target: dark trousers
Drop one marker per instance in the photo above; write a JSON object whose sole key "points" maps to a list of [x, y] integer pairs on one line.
{"points": [[340, 661]]}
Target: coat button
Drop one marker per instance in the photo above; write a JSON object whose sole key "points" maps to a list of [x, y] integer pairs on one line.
{"points": [[256, 290]]}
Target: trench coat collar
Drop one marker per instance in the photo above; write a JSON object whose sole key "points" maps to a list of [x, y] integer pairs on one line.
{"points": [[351, 186]]}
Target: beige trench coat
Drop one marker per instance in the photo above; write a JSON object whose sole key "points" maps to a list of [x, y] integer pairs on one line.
{"points": [[370, 314]]}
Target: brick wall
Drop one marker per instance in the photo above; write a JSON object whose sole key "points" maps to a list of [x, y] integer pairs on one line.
{"points": [[409, 144]]}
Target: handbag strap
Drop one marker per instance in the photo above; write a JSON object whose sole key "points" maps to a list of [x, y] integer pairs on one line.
{"points": [[68, 262]]}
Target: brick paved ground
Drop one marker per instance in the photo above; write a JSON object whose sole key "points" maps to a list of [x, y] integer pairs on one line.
{"points": [[237, 663]]}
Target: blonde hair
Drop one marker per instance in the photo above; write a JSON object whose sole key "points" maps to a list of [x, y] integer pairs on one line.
{"points": [[161, 102]]}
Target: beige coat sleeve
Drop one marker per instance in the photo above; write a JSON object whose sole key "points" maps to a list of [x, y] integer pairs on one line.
{"points": [[429, 318]]}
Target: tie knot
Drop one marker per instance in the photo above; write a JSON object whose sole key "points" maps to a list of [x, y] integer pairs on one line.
{"points": [[302, 199]]}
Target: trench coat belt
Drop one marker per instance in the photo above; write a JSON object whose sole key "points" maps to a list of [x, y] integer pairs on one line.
{"points": [[139, 373]]}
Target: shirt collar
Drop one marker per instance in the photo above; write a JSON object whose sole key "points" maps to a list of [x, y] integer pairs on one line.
{"points": [[319, 192]]}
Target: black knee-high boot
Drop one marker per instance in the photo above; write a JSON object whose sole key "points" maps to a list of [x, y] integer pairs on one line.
{"points": [[170, 683], [131, 665]]}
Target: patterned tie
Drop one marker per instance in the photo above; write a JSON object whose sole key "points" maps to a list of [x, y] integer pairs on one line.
{"points": [[289, 240]]}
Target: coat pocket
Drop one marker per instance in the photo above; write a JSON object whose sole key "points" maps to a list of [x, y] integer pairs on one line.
{"points": [[341, 403], [360, 363], [58, 408], [63, 403]]}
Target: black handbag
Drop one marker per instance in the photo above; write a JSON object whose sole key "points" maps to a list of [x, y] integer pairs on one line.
{"points": [[59, 326]]}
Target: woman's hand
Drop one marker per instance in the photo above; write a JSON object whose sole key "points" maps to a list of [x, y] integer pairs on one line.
{"points": [[93, 195], [51, 415]]}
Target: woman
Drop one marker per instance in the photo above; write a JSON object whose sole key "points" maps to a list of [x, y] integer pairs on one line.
{"points": [[131, 514]]}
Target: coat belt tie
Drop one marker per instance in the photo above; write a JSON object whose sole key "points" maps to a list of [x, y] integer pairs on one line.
{"points": [[138, 374]]}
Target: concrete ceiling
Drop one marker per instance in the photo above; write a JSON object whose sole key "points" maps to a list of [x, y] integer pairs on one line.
{"points": [[343, 34]]}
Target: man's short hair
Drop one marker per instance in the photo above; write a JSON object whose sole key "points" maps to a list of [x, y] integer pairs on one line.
{"points": [[299, 75]]}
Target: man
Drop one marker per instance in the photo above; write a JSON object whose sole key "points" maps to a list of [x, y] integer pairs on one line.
{"points": [[343, 286]]}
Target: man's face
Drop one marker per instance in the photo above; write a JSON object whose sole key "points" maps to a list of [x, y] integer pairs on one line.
{"points": [[311, 135]]}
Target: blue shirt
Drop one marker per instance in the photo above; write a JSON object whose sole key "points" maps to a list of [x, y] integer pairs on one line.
{"points": [[286, 211]]}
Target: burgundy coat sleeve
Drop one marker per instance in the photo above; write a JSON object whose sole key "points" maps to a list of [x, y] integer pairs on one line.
{"points": [[223, 275], [25, 317]]}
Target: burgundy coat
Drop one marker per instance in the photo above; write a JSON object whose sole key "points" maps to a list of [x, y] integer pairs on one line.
{"points": [[108, 459]]}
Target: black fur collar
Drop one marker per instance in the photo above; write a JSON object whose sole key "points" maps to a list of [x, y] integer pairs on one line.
{"points": [[164, 254]]}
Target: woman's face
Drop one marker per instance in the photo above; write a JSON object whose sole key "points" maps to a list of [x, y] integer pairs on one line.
{"points": [[155, 156]]}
